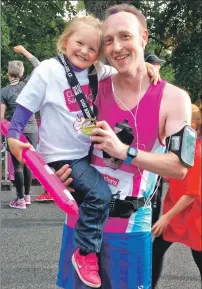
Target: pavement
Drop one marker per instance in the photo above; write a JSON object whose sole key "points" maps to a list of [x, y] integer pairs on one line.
{"points": [[30, 243]]}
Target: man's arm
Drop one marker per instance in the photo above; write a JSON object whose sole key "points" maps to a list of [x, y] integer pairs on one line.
{"points": [[177, 112], [21, 50]]}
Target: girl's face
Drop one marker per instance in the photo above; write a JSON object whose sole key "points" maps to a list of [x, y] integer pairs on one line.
{"points": [[82, 47]]}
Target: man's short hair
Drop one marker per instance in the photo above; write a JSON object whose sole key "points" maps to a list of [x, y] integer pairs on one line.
{"points": [[16, 68], [127, 8]]}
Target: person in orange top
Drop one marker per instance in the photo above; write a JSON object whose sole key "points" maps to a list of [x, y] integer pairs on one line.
{"points": [[181, 219]]}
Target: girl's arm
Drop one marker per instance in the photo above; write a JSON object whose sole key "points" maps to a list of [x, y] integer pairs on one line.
{"points": [[104, 71], [18, 123]]}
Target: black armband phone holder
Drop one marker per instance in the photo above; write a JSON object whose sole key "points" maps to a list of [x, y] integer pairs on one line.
{"points": [[183, 145]]}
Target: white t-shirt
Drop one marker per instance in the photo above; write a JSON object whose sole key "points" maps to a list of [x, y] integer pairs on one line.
{"points": [[60, 134]]}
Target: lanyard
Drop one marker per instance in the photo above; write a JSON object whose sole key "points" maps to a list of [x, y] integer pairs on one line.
{"points": [[76, 88]]}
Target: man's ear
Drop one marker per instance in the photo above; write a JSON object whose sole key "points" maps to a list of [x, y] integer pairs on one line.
{"points": [[145, 36]]}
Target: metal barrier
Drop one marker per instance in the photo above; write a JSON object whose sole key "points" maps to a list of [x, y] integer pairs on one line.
{"points": [[6, 184]]}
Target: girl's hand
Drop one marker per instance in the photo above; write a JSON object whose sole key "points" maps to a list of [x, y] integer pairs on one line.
{"points": [[16, 147], [153, 73], [106, 140], [160, 226]]}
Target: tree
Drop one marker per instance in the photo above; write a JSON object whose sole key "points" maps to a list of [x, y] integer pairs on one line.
{"points": [[34, 24], [175, 27]]}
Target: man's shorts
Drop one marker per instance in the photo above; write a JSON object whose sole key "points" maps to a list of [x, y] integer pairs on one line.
{"points": [[125, 261]]}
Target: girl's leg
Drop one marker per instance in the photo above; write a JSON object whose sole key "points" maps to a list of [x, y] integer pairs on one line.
{"points": [[94, 209]]}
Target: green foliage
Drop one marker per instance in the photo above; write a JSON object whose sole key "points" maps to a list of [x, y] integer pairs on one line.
{"points": [[98, 8], [33, 24], [175, 27], [80, 6]]}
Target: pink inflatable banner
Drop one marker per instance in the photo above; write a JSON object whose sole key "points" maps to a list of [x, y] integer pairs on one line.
{"points": [[45, 176]]}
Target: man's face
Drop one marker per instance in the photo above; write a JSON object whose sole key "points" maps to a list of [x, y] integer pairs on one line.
{"points": [[124, 42]]}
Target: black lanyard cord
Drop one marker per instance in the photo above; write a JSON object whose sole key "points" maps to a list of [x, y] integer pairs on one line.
{"points": [[76, 88]]}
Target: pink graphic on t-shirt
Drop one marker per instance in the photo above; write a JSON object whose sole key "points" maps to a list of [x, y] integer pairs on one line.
{"points": [[78, 122], [71, 101]]}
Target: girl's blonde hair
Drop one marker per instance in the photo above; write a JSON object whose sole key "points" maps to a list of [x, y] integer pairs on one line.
{"points": [[74, 24]]}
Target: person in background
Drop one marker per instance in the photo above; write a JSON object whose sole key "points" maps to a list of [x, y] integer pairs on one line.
{"points": [[153, 59], [181, 218], [9, 94]]}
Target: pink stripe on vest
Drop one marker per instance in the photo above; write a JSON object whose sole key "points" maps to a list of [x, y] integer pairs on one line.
{"points": [[147, 121]]}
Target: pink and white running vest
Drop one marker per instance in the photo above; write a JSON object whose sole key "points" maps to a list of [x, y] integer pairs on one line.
{"points": [[129, 180]]}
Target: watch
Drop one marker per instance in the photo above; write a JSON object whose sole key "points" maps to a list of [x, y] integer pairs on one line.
{"points": [[131, 154]]}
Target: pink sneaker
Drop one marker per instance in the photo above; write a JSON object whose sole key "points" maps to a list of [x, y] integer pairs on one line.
{"points": [[45, 197], [27, 200], [17, 204], [87, 269]]}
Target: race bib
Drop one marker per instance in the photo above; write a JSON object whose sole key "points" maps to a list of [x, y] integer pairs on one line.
{"points": [[120, 182]]}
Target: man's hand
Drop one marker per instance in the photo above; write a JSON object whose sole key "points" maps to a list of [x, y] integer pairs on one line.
{"points": [[63, 175], [108, 141]]}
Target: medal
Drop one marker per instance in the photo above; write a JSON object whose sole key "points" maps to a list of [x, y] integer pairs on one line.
{"points": [[88, 125]]}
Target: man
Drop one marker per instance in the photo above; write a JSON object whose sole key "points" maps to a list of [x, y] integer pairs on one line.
{"points": [[154, 60], [125, 258]]}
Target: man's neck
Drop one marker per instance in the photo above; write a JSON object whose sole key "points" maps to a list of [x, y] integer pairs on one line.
{"points": [[132, 81]]}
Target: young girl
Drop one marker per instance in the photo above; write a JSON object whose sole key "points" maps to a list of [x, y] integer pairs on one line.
{"points": [[181, 219], [61, 138]]}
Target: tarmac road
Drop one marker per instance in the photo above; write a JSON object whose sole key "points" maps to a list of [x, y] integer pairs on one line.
{"points": [[30, 246]]}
